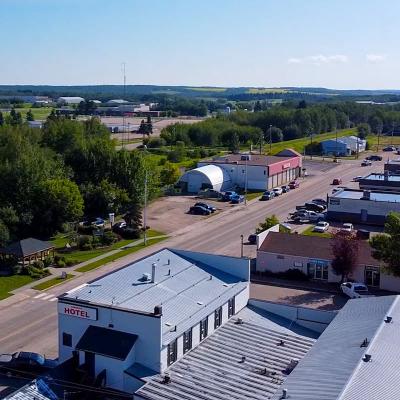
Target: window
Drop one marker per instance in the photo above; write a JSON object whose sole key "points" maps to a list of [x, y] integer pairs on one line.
{"points": [[318, 269], [231, 307], [172, 352], [67, 339], [265, 172], [203, 328], [217, 318], [187, 340], [280, 257]]}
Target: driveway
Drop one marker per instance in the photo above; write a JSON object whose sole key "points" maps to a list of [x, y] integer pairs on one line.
{"points": [[296, 297]]}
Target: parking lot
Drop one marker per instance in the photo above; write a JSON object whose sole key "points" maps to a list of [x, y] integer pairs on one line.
{"points": [[176, 207]]}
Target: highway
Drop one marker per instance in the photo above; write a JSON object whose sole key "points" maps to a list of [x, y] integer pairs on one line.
{"points": [[28, 320]]}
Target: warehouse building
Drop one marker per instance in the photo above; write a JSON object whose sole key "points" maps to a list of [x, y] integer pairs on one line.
{"points": [[65, 100], [362, 206], [381, 182], [254, 171], [343, 146], [280, 252]]}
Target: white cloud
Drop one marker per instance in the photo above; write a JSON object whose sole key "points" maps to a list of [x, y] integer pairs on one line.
{"points": [[295, 61], [320, 59], [375, 58]]}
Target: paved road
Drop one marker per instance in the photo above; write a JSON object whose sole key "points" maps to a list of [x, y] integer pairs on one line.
{"points": [[28, 319]]}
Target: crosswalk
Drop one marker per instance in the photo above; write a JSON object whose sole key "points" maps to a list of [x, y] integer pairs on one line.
{"points": [[46, 297]]}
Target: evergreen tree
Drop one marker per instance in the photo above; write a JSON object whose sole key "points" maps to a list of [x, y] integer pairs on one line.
{"points": [[29, 116], [1, 119]]}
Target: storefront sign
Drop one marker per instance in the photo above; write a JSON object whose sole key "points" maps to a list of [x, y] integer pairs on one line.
{"points": [[78, 311], [286, 165]]}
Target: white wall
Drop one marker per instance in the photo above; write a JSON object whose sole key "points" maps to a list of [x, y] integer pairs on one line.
{"points": [[261, 236], [148, 328], [241, 300], [354, 206], [239, 267]]}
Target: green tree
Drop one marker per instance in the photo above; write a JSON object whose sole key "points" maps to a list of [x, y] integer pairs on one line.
{"points": [[234, 145], [386, 247], [363, 130], [1, 119], [30, 116], [257, 106], [4, 234], [169, 174], [59, 201], [15, 117], [268, 223], [376, 124], [345, 253]]}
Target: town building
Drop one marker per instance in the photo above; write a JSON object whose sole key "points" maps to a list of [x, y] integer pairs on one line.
{"points": [[362, 206], [67, 100], [343, 146], [251, 171], [313, 256], [144, 317], [392, 167], [381, 182]]}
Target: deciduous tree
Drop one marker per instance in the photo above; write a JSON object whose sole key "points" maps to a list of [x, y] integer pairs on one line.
{"points": [[345, 253]]}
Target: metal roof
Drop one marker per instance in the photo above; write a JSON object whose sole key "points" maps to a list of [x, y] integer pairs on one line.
{"points": [[216, 369], [334, 369], [27, 247], [374, 196], [382, 177], [213, 173], [187, 290], [35, 390]]}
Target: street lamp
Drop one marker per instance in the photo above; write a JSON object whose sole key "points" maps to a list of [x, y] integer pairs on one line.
{"points": [[241, 246], [270, 139], [245, 184]]}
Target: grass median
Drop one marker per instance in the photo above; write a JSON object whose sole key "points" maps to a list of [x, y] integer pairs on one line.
{"points": [[52, 282], [310, 232], [120, 254], [9, 283]]}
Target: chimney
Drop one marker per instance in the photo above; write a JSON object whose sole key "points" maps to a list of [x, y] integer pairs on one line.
{"points": [[153, 272], [158, 310], [284, 394]]}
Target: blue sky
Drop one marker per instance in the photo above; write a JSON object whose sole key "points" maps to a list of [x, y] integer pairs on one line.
{"points": [[264, 43]]}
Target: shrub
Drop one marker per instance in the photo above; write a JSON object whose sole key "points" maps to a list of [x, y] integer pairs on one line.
{"points": [[109, 238], [130, 233], [60, 263], [48, 261], [292, 274], [85, 229], [38, 264], [85, 242]]}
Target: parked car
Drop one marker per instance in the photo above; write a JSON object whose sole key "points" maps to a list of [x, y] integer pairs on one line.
{"points": [[321, 202], [335, 190], [119, 226], [374, 157], [389, 148], [98, 223], [252, 239], [278, 191], [316, 216], [198, 210], [347, 226], [294, 184], [268, 195], [307, 216], [207, 206], [315, 207], [357, 178], [321, 226], [354, 290], [366, 163], [227, 196], [285, 188], [337, 181], [237, 198], [22, 361]]}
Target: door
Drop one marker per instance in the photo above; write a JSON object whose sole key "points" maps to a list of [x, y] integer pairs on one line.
{"points": [[89, 362], [364, 215], [372, 276]]}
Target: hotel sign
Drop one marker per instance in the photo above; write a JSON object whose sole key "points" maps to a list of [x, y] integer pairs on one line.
{"points": [[286, 165], [78, 311]]}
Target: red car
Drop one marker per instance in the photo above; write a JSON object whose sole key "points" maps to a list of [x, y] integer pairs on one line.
{"points": [[337, 181], [294, 184]]}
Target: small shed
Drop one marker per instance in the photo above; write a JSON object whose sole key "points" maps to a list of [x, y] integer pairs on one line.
{"points": [[205, 177], [28, 250]]}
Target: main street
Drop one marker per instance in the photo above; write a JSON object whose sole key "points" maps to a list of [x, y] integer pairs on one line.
{"points": [[28, 320]]}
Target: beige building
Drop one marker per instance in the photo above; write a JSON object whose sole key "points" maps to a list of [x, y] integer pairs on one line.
{"points": [[312, 255]]}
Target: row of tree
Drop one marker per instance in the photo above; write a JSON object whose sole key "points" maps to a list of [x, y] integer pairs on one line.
{"points": [[68, 170]]}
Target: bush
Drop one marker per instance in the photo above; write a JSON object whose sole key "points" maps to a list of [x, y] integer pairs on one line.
{"points": [[85, 229], [130, 233], [38, 264], [60, 264], [109, 238], [48, 261], [85, 242], [292, 274]]}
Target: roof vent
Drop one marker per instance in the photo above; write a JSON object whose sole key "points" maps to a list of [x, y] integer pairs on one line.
{"points": [[281, 343], [153, 272], [284, 394], [364, 343], [367, 358], [366, 195], [388, 319], [168, 261], [210, 278], [245, 157], [239, 321], [200, 303], [243, 359], [166, 378], [146, 277], [158, 310]]}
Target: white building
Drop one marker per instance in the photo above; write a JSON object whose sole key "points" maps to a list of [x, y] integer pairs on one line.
{"points": [[69, 100], [146, 316], [256, 171]]}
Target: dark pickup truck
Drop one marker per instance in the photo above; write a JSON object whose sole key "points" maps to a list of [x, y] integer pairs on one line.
{"points": [[22, 362]]}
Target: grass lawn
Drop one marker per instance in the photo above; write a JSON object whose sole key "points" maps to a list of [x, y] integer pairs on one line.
{"points": [[298, 144], [309, 232], [383, 141], [9, 283], [253, 195], [122, 253], [38, 113], [52, 282]]}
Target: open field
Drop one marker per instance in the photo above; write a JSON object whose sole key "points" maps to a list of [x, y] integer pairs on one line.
{"points": [[266, 90], [299, 144], [384, 140], [207, 89], [38, 113]]}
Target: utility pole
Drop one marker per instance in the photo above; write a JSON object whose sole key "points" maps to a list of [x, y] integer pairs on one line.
{"points": [[261, 142], [123, 112], [270, 139], [392, 133], [241, 246], [245, 185], [144, 210], [336, 152]]}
